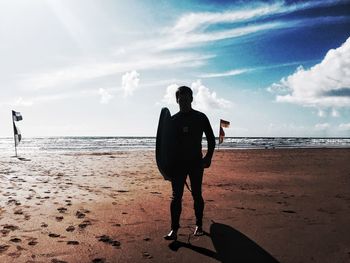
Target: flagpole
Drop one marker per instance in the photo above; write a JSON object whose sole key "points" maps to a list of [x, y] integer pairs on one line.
{"points": [[14, 135], [219, 137]]}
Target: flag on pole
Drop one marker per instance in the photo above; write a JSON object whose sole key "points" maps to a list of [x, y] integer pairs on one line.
{"points": [[16, 116], [17, 134], [223, 124]]}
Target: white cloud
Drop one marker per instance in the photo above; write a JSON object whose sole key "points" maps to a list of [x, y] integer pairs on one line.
{"points": [[344, 126], [130, 82], [193, 21], [326, 84], [322, 126], [195, 28], [181, 41], [200, 21], [169, 96], [225, 74], [203, 98], [105, 96]]}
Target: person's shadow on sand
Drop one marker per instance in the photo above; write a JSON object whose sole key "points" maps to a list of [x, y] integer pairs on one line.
{"points": [[230, 245]]}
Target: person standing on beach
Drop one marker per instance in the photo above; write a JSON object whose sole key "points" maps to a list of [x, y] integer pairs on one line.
{"points": [[189, 126]]}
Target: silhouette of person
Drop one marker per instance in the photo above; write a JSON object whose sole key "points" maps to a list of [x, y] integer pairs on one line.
{"points": [[189, 126]]}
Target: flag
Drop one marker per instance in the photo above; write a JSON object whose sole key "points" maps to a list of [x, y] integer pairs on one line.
{"points": [[221, 135], [18, 135], [223, 124], [16, 116]]}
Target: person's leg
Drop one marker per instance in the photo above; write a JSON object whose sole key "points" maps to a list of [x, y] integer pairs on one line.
{"points": [[196, 177], [177, 184]]}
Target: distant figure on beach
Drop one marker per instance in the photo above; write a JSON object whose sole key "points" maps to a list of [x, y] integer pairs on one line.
{"points": [[189, 126]]}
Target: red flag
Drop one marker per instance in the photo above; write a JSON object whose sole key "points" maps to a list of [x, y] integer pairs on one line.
{"points": [[223, 124], [221, 135]]}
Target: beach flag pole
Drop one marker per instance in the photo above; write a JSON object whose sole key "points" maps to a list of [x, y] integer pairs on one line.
{"points": [[16, 116], [219, 138], [223, 124], [14, 136]]}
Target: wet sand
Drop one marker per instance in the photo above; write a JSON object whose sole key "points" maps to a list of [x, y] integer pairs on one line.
{"points": [[286, 205]]}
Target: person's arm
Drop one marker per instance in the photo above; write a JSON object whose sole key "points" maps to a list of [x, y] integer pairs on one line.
{"points": [[211, 143]]}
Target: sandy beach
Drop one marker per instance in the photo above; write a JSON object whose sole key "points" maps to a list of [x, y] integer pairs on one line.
{"points": [[271, 205]]}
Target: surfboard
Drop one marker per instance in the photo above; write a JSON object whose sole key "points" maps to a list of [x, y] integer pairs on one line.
{"points": [[165, 144]]}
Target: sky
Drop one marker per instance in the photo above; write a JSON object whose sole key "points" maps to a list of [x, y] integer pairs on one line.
{"points": [[106, 68]]}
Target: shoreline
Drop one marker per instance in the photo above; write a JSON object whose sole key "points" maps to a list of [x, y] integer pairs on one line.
{"points": [[147, 149]]}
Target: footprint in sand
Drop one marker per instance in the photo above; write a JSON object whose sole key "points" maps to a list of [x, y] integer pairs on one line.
{"points": [[3, 248], [10, 227], [79, 214], [289, 211], [108, 240], [62, 210], [4, 232], [72, 242], [146, 255], [13, 201], [84, 224], [54, 260], [16, 240], [59, 218], [70, 229], [18, 212], [54, 235], [98, 260], [32, 243]]}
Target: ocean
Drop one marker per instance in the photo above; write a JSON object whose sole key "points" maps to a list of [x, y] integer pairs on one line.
{"points": [[110, 144]]}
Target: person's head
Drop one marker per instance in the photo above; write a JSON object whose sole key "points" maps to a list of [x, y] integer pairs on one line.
{"points": [[184, 97]]}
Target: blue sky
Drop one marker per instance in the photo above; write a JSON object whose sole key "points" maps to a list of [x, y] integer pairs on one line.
{"points": [[106, 68]]}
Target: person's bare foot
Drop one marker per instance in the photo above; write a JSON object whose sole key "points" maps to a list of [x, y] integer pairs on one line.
{"points": [[171, 236]]}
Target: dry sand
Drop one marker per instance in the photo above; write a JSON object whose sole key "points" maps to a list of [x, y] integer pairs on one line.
{"points": [[289, 205]]}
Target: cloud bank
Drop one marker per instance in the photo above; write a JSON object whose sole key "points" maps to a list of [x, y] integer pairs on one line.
{"points": [[325, 85]]}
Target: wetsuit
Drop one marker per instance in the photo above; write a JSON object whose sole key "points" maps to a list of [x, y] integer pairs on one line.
{"points": [[189, 128]]}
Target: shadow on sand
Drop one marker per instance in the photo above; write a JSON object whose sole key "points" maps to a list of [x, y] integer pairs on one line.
{"points": [[230, 245]]}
